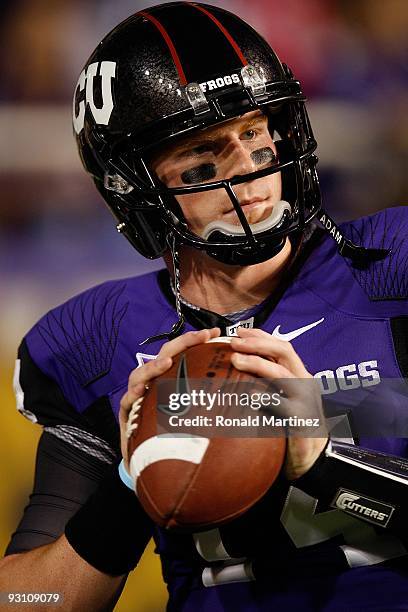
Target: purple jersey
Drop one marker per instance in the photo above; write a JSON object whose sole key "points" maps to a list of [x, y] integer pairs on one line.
{"points": [[349, 326]]}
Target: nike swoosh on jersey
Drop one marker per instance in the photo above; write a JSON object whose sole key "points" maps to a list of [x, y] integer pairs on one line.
{"points": [[296, 332]]}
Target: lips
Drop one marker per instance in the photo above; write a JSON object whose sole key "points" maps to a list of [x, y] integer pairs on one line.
{"points": [[247, 204], [251, 203]]}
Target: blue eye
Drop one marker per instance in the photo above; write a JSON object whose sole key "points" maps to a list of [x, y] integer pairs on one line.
{"points": [[249, 135]]}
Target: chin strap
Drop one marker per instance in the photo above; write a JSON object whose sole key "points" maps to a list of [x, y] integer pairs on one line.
{"points": [[360, 256], [179, 324]]}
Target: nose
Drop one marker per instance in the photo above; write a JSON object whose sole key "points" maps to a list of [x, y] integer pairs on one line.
{"points": [[238, 158]]}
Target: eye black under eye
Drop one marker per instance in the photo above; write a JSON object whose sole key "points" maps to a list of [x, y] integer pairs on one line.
{"points": [[263, 156]]}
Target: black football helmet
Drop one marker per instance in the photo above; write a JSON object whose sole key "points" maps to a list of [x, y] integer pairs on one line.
{"points": [[172, 69]]}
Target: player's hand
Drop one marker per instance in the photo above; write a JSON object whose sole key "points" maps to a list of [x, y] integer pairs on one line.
{"points": [[257, 352], [141, 377]]}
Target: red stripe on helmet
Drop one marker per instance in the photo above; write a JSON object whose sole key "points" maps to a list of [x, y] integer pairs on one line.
{"points": [[227, 35], [169, 42]]}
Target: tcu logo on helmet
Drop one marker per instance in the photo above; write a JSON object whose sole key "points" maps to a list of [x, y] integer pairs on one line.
{"points": [[86, 81]]}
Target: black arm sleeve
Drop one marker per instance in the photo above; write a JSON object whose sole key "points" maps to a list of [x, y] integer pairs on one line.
{"points": [[74, 454], [65, 477], [77, 488]]}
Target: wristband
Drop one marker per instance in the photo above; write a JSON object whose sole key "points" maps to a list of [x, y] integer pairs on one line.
{"points": [[125, 476], [111, 530]]}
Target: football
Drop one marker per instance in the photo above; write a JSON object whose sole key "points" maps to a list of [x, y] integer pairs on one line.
{"points": [[187, 481]]}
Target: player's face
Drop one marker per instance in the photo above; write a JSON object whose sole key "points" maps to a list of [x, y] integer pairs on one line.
{"points": [[238, 146]]}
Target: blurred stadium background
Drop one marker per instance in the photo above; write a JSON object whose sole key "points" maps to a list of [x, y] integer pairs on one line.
{"points": [[56, 237]]}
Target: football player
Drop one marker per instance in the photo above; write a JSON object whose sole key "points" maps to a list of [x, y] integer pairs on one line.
{"points": [[198, 139]]}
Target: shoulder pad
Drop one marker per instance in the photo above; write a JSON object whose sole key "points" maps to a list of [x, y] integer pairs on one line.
{"points": [[82, 333], [386, 279], [88, 344]]}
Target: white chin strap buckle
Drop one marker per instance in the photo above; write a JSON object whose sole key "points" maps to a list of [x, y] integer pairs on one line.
{"points": [[274, 219]]}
